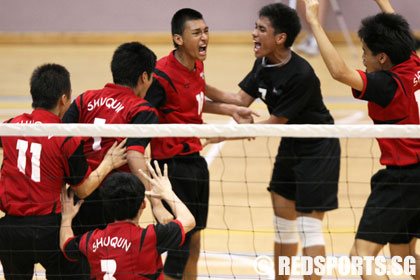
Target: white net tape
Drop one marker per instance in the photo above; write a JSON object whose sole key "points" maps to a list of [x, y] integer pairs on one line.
{"points": [[212, 130]]}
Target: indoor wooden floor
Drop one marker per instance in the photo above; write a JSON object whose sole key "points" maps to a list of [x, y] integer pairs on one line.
{"points": [[240, 218]]}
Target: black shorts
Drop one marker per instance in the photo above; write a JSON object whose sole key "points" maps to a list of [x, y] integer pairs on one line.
{"points": [[392, 211], [306, 171], [189, 177], [25, 241]]}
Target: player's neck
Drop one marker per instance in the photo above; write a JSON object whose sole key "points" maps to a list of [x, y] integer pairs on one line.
{"points": [[134, 89], [279, 58], [57, 110], [187, 61], [134, 221]]}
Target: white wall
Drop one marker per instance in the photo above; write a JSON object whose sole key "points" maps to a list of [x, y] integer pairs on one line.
{"points": [[155, 15]]}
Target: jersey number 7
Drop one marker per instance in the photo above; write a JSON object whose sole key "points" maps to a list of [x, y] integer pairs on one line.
{"points": [[109, 267], [96, 146]]}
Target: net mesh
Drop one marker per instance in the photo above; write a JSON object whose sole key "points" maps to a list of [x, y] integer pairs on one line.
{"points": [[239, 227]]}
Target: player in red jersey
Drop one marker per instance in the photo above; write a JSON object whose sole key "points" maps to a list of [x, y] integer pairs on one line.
{"points": [[179, 95], [124, 250], [33, 171], [391, 86], [120, 102]]}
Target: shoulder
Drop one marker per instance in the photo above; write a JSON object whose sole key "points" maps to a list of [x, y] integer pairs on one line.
{"points": [[161, 63], [169, 228], [165, 79], [144, 105], [256, 66], [301, 65], [199, 65], [382, 77], [12, 120], [257, 63]]}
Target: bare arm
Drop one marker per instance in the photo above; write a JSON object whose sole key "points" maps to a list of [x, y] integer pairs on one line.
{"points": [[68, 211], [231, 104], [385, 6], [334, 62], [136, 162], [274, 120], [162, 188], [238, 113], [241, 98], [114, 158]]}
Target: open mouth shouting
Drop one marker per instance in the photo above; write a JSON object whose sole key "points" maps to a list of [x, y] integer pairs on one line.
{"points": [[202, 50], [257, 46]]}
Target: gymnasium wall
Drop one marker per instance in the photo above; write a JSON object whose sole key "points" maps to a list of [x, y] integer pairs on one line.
{"points": [[154, 15]]}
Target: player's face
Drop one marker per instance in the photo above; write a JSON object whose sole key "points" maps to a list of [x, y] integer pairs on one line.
{"points": [[195, 38], [370, 61], [264, 38]]}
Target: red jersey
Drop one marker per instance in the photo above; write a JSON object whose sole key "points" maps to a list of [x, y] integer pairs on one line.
{"points": [[178, 94], [124, 250], [394, 98], [35, 168], [113, 104]]}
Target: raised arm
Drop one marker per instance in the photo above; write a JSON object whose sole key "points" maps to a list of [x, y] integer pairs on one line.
{"points": [[161, 187], [385, 6], [334, 62], [68, 212], [136, 162], [114, 158]]}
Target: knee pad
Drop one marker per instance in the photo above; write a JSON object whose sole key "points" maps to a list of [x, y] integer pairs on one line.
{"points": [[310, 231], [285, 231]]}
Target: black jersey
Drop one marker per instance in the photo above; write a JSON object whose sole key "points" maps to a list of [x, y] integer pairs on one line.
{"points": [[291, 91]]}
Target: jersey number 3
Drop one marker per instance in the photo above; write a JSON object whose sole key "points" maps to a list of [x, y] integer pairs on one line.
{"points": [[22, 147]]}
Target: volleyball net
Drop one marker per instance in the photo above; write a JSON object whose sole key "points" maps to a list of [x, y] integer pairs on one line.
{"points": [[239, 228]]}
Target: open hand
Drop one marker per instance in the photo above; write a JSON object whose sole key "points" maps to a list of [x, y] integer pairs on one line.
{"points": [[312, 9], [244, 115], [213, 140], [117, 154], [161, 186], [68, 208]]}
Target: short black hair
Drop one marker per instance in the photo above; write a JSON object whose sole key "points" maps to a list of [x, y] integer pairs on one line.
{"points": [[388, 33], [179, 19], [283, 19], [48, 83], [122, 194], [130, 61]]}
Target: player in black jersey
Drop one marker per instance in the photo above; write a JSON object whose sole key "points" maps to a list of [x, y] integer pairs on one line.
{"points": [[304, 182]]}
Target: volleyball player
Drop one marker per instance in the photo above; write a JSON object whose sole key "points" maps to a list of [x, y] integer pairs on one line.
{"points": [[33, 172], [179, 95], [120, 102], [304, 181], [124, 250], [391, 85]]}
